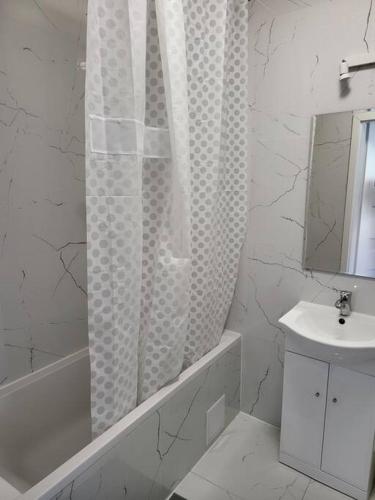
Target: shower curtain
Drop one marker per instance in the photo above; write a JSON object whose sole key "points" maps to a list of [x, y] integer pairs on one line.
{"points": [[165, 189]]}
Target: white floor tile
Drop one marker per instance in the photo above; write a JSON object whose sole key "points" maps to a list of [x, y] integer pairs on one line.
{"points": [[244, 460], [317, 491], [243, 465], [195, 487]]}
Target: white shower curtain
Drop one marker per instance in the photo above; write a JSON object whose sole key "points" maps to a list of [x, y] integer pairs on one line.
{"points": [[166, 188]]}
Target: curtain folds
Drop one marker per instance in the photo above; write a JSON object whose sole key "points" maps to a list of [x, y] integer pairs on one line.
{"points": [[165, 189]]}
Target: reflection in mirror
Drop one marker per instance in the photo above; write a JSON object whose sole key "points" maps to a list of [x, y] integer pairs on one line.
{"points": [[340, 210]]}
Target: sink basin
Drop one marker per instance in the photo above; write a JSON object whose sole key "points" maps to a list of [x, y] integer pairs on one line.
{"points": [[316, 329]]}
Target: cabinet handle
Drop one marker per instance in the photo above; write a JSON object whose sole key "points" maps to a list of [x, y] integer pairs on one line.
{"points": [[317, 394], [334, 400]]}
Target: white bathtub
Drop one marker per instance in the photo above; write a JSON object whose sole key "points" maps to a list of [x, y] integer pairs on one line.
{"points": [[45, 439], [44, 420]]}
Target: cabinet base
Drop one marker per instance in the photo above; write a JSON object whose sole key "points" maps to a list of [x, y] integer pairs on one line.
{"points": [[323, 477]]}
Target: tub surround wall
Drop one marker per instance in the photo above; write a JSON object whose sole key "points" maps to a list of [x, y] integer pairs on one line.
{"points": [[42, 231], [161, 447], [293, 74]]}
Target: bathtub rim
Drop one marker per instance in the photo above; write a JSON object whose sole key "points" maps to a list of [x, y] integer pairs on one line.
{"points": [[43, 372], [80, 462]]}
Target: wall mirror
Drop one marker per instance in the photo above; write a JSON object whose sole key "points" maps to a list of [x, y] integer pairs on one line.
{"points": [[340, 210]]}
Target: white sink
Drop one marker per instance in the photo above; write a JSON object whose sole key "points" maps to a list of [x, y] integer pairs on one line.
{"points": [[316, 329]]}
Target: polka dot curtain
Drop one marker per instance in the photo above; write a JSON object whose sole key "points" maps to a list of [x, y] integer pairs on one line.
{"points": [[166, 189]]}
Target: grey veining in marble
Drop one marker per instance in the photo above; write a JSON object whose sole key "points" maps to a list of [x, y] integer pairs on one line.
{"points": [[293, 74], [42, 215], [277, 7], [243, 465], [153, 458]]}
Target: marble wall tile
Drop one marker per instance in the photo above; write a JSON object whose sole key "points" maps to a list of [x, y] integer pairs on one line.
{"points": [[153, 458], [42, 214], [293, 74], [278, 7]]}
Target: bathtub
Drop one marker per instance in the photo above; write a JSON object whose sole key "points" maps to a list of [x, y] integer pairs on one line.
{"points": [[44, 420], [45, 437]]}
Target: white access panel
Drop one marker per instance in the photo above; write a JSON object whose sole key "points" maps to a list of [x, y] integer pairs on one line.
{"points": [[304, 401], [349, 428]]}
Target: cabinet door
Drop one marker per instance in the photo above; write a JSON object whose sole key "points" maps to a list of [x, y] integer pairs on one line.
{"points": [[304, 400], [349, 428]]}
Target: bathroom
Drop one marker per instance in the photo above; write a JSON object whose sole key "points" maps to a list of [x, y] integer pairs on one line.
{"points": [[186, 279]]}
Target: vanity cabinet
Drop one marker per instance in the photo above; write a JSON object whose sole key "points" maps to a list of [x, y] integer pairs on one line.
{"points": [[349, 426], [304, 402], [328, 423]]}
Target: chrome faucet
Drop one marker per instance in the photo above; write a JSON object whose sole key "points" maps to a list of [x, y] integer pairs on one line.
{"points": [[344, 303]]}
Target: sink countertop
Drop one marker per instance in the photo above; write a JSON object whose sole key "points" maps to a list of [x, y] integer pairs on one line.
{"points": [[315, 330]]}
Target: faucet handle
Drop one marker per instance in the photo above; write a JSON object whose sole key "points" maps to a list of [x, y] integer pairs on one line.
{"points": [[345, 299], [346, 295]]}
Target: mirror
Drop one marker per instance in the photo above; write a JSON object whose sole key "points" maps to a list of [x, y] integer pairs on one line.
{"points": [[340, 210]]}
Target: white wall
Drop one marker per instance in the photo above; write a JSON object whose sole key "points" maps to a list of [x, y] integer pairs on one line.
{"points": [[42, 222], [294, 65]]}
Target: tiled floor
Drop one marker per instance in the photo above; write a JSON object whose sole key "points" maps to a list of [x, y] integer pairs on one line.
{"points": [[243, 465]]}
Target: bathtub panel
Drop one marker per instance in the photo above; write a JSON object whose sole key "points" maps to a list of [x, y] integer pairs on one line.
{"points": [[157, 454]]}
